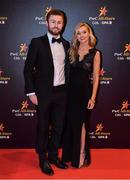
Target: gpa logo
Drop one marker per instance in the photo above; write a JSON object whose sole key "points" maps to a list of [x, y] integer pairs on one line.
{"points": [[124, 109], [99, 133], [42, 19], [103, 78], [3, 78], [4, 134], [24, 110], [124, 54], [21, 54], [102, 18]]}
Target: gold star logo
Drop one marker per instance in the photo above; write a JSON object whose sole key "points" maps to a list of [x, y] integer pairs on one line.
{"points": [[24, 105], [23, 48], [125, 105], [1, 127], [127, 48], [99, 127], [103, 11], [47, 11]]}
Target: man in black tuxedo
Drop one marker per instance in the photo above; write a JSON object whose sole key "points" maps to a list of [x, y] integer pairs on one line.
{"points": [[46, 74]]}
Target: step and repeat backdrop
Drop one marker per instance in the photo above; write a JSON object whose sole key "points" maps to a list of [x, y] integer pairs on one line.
{"points": [[20, 21]]}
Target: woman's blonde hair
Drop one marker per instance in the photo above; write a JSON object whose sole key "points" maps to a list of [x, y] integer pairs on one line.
{"points": [[73, 51]]}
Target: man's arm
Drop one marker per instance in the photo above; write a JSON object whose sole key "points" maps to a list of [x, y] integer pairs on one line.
{"points": [[29, 66]]}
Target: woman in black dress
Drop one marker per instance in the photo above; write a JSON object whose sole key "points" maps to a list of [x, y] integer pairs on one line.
{"points": [[83, 86]]}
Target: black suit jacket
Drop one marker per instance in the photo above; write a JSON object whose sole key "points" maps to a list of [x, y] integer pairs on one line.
{"points": [[39, 67]]}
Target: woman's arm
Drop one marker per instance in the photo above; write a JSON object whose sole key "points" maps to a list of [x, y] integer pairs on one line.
{"points": [[96, 73]]}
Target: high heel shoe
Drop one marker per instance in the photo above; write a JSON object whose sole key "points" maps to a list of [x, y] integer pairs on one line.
{"points": [[82, 159], [87, 161]]}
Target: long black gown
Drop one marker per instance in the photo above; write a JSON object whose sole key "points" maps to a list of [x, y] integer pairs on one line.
{"points": [[80, 89]]}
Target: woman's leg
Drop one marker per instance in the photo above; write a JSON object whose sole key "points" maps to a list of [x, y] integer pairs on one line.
{"points": [[82, 148]]}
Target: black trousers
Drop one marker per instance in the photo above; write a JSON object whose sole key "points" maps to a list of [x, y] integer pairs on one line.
{"points": [[51, 120]]}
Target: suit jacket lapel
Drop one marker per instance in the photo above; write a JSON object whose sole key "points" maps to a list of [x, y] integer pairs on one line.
{"points": [[65, 47], [48, 48]]}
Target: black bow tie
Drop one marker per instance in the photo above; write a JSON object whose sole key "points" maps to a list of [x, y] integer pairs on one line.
{"points": [[56, 40]]}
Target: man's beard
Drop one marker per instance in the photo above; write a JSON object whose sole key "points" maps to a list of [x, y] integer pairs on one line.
{"points": [[53, 32]]}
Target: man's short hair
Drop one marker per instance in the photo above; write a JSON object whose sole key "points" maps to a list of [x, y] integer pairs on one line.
{"points": [[56, 12]]}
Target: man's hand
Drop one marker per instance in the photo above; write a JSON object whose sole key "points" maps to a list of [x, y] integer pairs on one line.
{"points": [[33, 99]]}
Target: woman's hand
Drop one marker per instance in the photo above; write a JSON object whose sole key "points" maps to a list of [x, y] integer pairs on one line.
{"points": [[91, 104]]}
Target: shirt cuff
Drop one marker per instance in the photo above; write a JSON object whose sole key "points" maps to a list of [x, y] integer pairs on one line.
{"points": [[30, 94]]}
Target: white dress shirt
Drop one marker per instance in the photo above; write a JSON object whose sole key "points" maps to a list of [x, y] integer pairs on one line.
{"points": [[58, 55]]}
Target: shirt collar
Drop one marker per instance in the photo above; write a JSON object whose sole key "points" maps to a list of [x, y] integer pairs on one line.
{"points": [[50, 36]]}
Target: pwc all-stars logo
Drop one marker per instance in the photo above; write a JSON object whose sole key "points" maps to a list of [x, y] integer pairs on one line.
{"points": [[4, 134], [21, 53], [124, 54], [24, 109], [104, 79], [3, 78], [42, 18], [99, 132], [123, 110], [102, 18]]}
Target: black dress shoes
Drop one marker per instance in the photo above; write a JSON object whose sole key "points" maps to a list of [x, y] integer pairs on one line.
{"points": [[46, 167], [58, 163]]}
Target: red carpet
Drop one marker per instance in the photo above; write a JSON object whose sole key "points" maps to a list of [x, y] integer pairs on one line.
{"points": [[106, 164]]}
